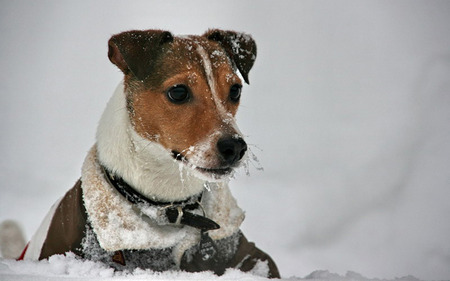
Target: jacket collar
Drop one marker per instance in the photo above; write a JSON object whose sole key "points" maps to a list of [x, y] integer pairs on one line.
{"points": [[175, 212]]}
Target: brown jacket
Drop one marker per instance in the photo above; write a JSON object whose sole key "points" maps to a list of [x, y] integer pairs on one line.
{"points": [[70, 230]]}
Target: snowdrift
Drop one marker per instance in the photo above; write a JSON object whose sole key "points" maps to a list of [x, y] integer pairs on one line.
{"points": [[69, 267]]}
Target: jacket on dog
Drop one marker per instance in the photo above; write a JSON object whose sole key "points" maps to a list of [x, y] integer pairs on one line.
{"points": [[96, 222], [168, 133]]}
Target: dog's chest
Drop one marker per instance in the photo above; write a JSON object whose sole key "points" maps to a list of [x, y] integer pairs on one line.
{"points": [[161, 259], [154, 259]]}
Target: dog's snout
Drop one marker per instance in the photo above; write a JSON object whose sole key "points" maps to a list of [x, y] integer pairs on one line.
{"points": [[231, 149]]}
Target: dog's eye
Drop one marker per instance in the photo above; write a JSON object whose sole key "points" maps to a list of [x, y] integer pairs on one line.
{"points": [[235, 92], [178, 94]]}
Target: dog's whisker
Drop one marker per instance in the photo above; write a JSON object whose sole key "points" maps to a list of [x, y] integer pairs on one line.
{"points": [[255, 146], [251, 160]]}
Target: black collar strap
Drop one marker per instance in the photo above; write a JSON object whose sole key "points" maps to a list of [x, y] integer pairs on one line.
{"points": [[175, 212]]}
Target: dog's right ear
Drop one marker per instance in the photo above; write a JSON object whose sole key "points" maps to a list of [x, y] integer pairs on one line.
{"points": [[240, 47], [137, 51]]}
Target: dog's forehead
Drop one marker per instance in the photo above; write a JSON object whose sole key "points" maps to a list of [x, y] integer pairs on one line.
{"points": [[191, 51], [194, 56]]}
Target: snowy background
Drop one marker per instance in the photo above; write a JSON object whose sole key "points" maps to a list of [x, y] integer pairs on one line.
{"points": [[349, 103]]}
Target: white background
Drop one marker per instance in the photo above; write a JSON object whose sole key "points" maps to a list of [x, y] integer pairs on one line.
{"points": [[349, 103]]}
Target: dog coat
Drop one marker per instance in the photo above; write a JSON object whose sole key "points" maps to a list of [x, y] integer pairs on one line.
{"points": [[96, 222]]}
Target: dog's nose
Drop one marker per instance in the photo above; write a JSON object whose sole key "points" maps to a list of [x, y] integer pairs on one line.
{"points": [[231, 149]]}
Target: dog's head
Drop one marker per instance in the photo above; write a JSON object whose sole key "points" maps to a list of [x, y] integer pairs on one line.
{"points": [[183, 93]]}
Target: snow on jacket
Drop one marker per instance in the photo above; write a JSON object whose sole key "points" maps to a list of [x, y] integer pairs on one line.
{"points": [[95, 222]]}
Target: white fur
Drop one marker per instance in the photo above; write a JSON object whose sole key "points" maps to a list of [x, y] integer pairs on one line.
{"points": [[210, 78], [145, 165]]}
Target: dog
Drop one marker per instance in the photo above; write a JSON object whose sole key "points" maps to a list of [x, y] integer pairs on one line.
{"points": [[153, 192]]}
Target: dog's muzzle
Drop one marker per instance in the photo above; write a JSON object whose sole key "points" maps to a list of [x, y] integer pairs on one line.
{"points": [[229, 151]]}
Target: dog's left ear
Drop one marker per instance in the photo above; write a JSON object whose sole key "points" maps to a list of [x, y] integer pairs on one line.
{"points": [[137, 51], [240, 48]]}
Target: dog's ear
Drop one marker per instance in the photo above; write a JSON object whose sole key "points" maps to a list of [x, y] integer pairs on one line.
{"points": [[240, 47], [137, 51]]}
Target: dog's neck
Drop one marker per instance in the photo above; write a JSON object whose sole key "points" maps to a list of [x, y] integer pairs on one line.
{"points": [[145, 165]]}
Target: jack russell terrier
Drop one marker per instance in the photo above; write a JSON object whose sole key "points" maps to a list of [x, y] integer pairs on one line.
{"points": [[153, 191]]}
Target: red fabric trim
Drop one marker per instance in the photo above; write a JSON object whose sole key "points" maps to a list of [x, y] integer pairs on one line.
{"points": [[23, 252]]}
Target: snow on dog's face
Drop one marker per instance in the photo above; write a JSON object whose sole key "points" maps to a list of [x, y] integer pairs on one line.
{"points": [[183, 93]]}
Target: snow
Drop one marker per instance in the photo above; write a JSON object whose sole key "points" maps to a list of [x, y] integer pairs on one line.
{"points": [[69, 267], [348, 101]]}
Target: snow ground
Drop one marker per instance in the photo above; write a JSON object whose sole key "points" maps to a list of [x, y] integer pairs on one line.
{"points": [[349, 102], [70, 268]]}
